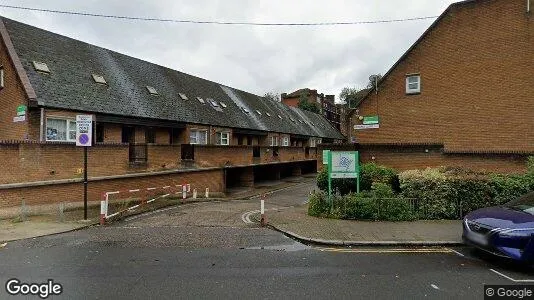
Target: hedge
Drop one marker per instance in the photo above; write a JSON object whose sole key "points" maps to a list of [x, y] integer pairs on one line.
{"points": [[369, 174], [378, 204], [442, 194]]}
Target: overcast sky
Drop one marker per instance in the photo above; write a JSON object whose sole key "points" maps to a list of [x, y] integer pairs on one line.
{"points": [[254, 59]]}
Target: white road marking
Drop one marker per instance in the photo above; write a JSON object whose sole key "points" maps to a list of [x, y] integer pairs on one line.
{"points": [[458, 253], [510, 278]]}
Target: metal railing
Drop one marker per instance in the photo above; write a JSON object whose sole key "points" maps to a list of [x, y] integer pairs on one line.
{"points": [[138, 153]]}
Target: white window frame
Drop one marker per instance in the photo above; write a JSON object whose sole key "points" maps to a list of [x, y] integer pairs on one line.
{"points": [[274, 141], [312, 143], [223, 138], [285, 141], [410, 89], [197, 133], [70, 127]]}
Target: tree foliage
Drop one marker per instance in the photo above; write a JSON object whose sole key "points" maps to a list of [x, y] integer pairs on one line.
{"points": [[272, 96], [306, 105]]}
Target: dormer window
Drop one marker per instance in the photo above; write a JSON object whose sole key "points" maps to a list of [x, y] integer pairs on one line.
{"points": [[151, 90], [99, 79], [413, 84], [41, 67]]}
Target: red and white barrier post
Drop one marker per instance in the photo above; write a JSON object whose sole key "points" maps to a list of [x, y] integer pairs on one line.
{"points": [[262, 211], [184, 191], [207, 195], [103, 208]]}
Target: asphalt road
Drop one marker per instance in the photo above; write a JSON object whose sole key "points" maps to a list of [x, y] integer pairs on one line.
{"points": [[206, 251]]}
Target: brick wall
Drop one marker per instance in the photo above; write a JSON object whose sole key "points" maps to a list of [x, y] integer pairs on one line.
{"points": [[28, 162], [421, 157], [164, 156], [73, 192], [11, 96], [212, 155], [476, 70]]}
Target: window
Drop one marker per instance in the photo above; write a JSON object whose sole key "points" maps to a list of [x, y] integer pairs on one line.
{"points": [[279, 117], [285, 141], [183, 96], [99, 79], [312, 143], [198, 136], [60, 130], [413, 84], [2, 77], [150, 135], [41, 67], [245, 110], [274, 141], [99, 133], [268, 114], [213, 102], [151, 90], [201, 100], [223, 104], [223, 138]]}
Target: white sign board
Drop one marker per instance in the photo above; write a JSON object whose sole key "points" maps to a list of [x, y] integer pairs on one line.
{"points": [[344, 165], [370, 126], [19, 119], [84, 130]]}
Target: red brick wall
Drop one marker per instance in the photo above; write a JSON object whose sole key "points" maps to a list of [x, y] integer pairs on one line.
{"points": [[40, 162], [11, 96], [409, 158], [212, 155], [294, 102], [164, 156], [477, 71], [73, 192]]}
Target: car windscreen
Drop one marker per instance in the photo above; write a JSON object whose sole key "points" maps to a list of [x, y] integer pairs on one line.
{"points": [[524, 203]]}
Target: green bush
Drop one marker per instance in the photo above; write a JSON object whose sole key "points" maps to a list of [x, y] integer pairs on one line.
{"points": [[318, 205], [450, 194], [530, 164], [370, 173]]}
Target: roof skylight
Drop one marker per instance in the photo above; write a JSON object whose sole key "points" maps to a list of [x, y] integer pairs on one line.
{"points": [[222, 104], [151, 90], [41, 67], [279, 117], [213, 102], [268, 114], [99, 78], [258, 112], [183, 96], [201, 100], [245, 110]]}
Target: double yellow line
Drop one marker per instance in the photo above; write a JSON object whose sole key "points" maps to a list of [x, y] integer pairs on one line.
{"points": [[385, 250]]}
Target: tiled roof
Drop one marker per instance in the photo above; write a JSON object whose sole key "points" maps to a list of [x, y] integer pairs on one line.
{"points": [[70, 85]]}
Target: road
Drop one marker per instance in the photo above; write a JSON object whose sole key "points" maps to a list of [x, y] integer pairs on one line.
{"points": [[205, 250]]}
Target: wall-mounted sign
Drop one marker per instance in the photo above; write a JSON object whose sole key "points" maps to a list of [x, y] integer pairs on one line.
{"points": [[371, 126], [19, 119], [370, 120], [21, 110], [84, 130]]}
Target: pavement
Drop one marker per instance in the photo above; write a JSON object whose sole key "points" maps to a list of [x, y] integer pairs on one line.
{"points": [[295, 222]]}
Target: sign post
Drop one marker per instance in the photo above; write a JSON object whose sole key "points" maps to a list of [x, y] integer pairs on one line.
{"points": [[84, 138], [343, 165]]}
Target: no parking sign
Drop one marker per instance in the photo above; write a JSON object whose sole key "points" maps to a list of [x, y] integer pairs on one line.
{"points": [[84, 130]]}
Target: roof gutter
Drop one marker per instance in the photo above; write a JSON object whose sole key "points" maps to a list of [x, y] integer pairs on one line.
{"points": [[19, 69]]}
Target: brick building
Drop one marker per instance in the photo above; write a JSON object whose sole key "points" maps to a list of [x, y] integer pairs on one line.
{"points": [[152, 124], [326, 104], [462, 95]]}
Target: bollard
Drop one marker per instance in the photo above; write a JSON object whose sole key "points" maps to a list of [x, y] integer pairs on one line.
{"points": [[189, 188], [207, 192], [62, 212], [23, 210], [184, 191], [103, 212], [194, 193], [262, 210]]}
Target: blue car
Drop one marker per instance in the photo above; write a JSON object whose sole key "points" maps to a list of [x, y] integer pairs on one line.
{"points": [[506, 230]]}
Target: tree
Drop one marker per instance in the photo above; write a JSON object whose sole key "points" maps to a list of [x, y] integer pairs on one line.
{"points": [[306, 105], [348, 92], [272, 96], [371, 83]]}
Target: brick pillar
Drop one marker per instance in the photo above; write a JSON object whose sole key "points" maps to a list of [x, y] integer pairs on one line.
{"points": [[246, 177]]}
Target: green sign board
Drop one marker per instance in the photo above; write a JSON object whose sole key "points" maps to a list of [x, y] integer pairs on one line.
{"points": [[343, 164], [21, 110], [369, 120], [325, 157]]}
